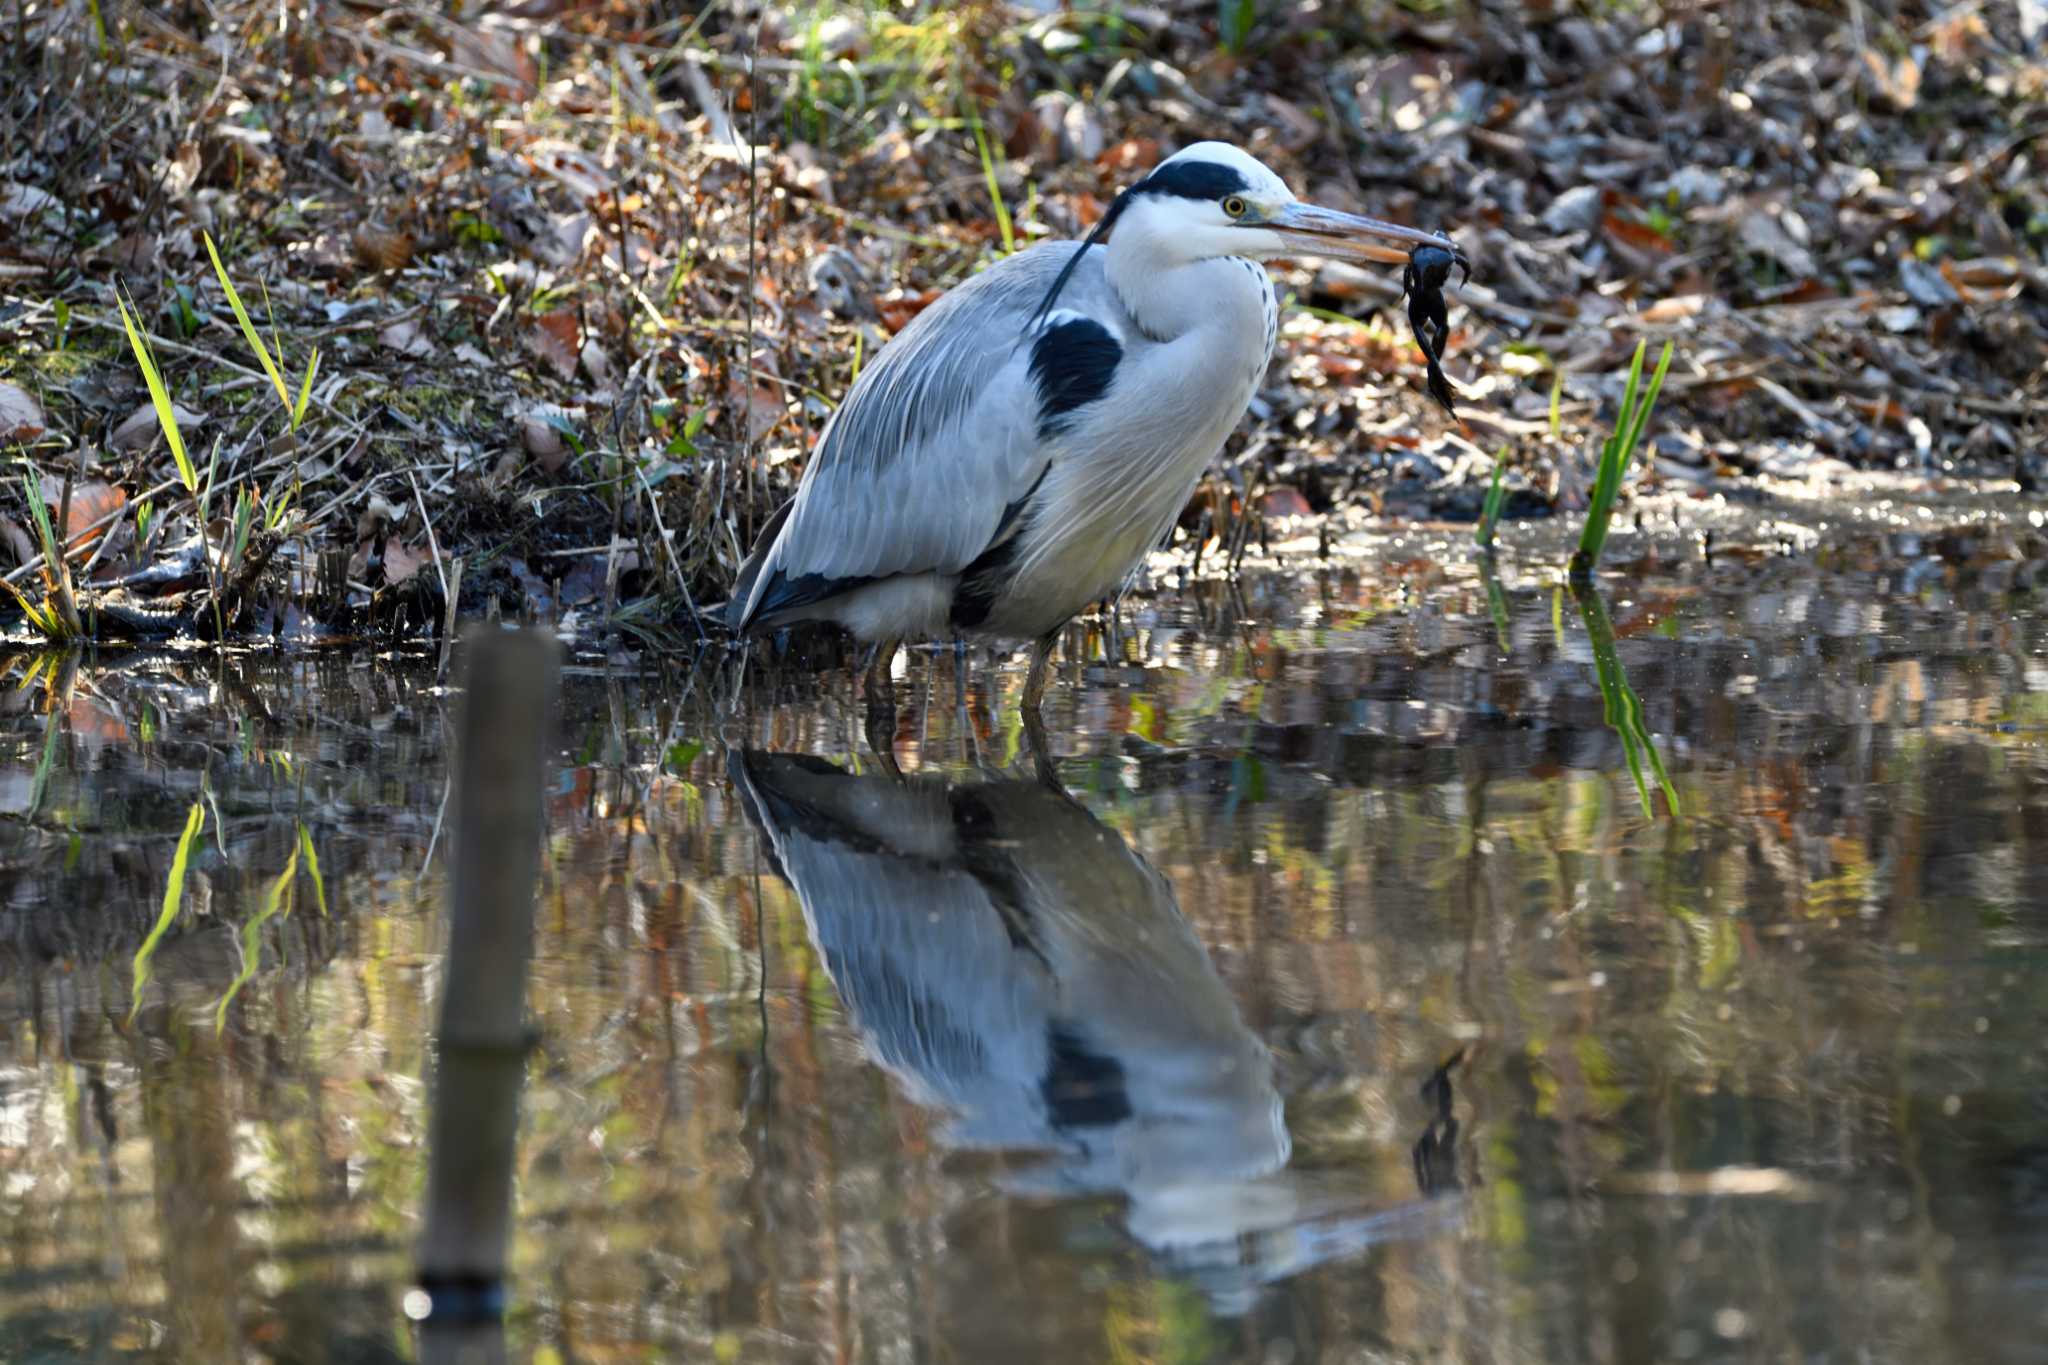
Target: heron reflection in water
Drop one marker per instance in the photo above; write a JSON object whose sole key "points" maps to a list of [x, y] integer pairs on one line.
{"points": [[1015, 964]]}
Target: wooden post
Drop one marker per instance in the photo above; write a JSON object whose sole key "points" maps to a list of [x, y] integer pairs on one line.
{"points": [[503, 735]]}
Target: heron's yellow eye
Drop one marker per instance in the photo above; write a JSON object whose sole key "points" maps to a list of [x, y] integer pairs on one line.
{"points": [[1235, 207]]}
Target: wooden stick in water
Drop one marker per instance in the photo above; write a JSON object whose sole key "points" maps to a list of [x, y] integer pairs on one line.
{"points": [[507, 717]]}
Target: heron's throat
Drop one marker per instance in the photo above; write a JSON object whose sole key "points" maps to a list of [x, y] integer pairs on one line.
{"points": [[1170, 290], [1168, 297]]}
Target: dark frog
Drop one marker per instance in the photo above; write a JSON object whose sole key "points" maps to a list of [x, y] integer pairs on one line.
{"points": [[1423, 280]]}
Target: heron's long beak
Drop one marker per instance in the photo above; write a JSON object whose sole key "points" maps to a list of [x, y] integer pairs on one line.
{"points": [[1316, 231]]}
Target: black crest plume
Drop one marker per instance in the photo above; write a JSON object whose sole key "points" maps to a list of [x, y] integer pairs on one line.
{"points": [[1102, 226]]}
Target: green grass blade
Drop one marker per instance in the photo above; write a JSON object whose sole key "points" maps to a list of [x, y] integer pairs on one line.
{"points": [[40, 615], [249, 333], [166, 416], [995, 191], [174, 891], [277, 899], [56, 617], [1496, 494], [1615, 454], [306, 390], [39, 512], [1634, 436]]}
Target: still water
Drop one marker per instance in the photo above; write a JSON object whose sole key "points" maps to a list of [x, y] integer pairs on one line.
{"points": [[1340, 1003]]}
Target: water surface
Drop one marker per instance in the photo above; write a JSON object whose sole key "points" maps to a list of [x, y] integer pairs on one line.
{"points": [[1342, 1003]]}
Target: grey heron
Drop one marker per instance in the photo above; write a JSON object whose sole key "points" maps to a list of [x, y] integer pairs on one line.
{"points": [[1013, 454]]}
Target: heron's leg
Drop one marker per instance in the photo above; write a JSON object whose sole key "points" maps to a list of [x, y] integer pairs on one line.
{"points": [[1040, 749], [877, 681], [881, 734], [962, 720], [1041, 671], [881, 700]]}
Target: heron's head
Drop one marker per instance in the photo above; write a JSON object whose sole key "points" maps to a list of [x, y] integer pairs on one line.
{"points": [[1212, 199]]}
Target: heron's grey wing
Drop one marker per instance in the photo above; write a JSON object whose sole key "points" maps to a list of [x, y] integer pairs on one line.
{"points": [[935, 451]]}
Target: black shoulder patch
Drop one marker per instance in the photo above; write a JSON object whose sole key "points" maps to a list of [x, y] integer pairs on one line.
{"points": [[1193, 180], [1072, 363], [1082, 1088]]}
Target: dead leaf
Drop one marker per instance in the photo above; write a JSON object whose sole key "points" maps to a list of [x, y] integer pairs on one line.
{"points": [[139, 430], [1129, 159], [1985, 272], [402, 562], [1675, 308], [1897, 82], [899, 308], [134, 253], [493, 51], [405, 337], [1087, 209], [89, 503], [1926, 285], [1639, 235], [544, 442], [554, 338], [381, 248], [21, 416], [765, 409], [1764, 233], [1297, 129], [16, 540], [1984, 280], [1284, 502]]}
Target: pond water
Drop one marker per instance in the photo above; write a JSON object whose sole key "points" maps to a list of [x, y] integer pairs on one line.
{"points": [[1346, 1005]]}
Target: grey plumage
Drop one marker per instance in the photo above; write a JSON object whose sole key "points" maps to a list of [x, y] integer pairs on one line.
{"points": [[1015, 452], [1011, 961]]}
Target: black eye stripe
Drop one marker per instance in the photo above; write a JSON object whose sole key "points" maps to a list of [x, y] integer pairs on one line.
{"points": [[1193, 180]]}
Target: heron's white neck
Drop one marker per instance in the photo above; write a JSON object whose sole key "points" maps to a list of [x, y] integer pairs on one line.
{"points": [[1170, 293]]}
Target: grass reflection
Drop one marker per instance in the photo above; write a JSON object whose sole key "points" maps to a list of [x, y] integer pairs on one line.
{"points": [[1624, 708], [174, 892], [1496, 600]]}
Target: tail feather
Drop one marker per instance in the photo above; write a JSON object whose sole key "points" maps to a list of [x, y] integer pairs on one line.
{"points": [[737, 613]]}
